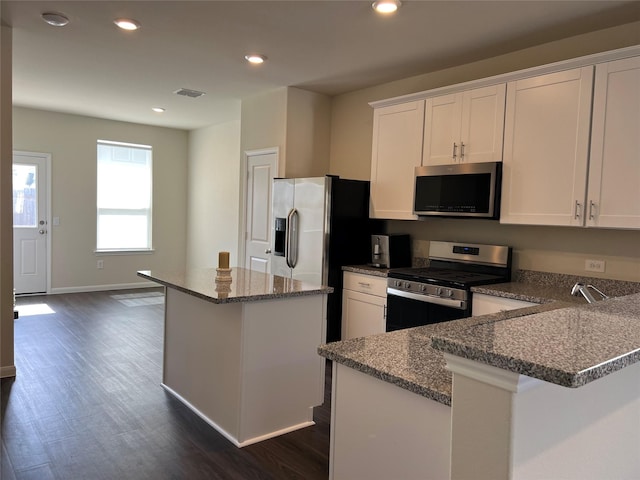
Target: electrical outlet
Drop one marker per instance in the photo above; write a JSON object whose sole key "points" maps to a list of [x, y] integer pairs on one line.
{"points": [[100, 264], [594, 265]]}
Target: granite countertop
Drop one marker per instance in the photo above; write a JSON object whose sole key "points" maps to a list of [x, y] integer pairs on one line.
{"points": [[544, 287], [367, 270], [580, 344], [528, 292], [245, 286], [407, 359], [585, 342]]}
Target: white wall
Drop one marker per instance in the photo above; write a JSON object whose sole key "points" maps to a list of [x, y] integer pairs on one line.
{"points": [[308, 133], [295, 121], [214, 194], [7, 367], [264, 123], [71, 141]]}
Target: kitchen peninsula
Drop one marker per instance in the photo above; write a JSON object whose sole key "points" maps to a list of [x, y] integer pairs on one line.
{"points": [[549, 391], [240, 349]]}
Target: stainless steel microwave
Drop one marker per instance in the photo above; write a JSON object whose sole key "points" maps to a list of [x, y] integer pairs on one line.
{"points": [[459, 190]]}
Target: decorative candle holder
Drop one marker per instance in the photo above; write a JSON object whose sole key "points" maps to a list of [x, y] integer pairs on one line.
{"points": [[223, 282], [223, 275]]}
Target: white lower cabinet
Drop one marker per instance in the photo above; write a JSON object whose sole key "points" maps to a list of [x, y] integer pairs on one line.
{"points": [[485, 304], [364, 305]]}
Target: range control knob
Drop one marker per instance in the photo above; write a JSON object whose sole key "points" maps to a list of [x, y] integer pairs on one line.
{"points": [[448, 292], [407, 285], [438, 291], [423, 288]]}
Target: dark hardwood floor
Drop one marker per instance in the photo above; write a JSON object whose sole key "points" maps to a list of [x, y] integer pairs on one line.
{"points": [[87, 404]]}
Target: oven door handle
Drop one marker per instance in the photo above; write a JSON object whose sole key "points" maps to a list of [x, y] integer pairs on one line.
{"points": [[446, 302]]}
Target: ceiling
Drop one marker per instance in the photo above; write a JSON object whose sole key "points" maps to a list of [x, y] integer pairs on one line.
{"points": [[90, 67]]}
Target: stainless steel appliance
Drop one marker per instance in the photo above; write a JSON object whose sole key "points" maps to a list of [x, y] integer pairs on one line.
{"points": [[321, 224], [460, 190], [442, 291], [390, 251]]}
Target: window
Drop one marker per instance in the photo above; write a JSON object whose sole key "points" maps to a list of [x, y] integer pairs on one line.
{"points": [[124, 196]]}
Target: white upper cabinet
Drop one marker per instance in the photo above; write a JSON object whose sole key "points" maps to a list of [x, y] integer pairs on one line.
{"points": [[546, 147], [396, 151], [613, 198], [464, 127]]}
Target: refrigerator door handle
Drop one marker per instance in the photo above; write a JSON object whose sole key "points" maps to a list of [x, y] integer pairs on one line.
{"points": [[291, 244]]}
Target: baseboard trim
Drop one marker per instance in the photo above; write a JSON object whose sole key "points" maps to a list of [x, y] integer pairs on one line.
{"points": [[101, 288], [220, 430], [226, 434], [7, 372]]}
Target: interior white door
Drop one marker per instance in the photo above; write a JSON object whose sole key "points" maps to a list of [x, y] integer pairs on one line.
{"points": [[30, 222], [262, 168]]}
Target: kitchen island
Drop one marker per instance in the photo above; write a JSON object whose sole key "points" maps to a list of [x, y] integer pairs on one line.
{"points": [[512, 415], [240, 349]]}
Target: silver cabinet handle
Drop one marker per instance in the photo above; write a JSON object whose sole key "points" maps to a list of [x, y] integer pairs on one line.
{"points": [[364, 284], [461, 151], [578, 210], [455, 150], [591, 207], [384, 312]]}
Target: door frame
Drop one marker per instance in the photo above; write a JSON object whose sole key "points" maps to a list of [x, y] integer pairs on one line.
{"points": [[48, 197], [244, 174]]}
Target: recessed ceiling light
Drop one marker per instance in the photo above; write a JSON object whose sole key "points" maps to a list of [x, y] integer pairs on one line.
{"points": [[55, 19], [127, 23], [157, 109], [255, 58], [386, 6]]}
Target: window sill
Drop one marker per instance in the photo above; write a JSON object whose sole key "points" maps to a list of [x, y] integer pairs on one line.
{"points": [[141, 251]]}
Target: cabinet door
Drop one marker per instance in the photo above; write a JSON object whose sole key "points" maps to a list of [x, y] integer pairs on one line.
{"points": [[546, 148], [614, 172], [396, 151], [362, 314], [484, 304], [442, 129], [482, 126]]}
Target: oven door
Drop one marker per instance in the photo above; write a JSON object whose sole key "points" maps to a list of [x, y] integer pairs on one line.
{"points": [[406, 310]]}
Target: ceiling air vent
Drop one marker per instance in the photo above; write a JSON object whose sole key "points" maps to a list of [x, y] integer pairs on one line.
{"points": [[185, 92]]}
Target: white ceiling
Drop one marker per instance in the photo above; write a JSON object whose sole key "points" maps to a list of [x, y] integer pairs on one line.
{"points": [[331, 46]]}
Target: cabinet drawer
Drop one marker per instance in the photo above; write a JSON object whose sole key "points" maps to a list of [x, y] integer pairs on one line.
{"points": [[366, 284], [484, 304]]}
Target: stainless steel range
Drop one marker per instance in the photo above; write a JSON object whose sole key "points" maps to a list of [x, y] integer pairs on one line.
{"points": [[442, 291]]}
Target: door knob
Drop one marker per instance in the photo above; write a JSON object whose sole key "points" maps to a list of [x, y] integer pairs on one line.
{"points": [[42, 231], [267, 251]]}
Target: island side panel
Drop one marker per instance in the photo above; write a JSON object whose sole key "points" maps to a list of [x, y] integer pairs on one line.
{"points": [[586, 433], [380, 431], [509, 426], [202, 357], [282, 374]]}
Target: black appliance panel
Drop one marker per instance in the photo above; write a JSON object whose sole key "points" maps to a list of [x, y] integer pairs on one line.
{"points": [[406, 313]]}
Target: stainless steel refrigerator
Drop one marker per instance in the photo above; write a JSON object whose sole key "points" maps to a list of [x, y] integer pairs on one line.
{"points": [[319, 225]]}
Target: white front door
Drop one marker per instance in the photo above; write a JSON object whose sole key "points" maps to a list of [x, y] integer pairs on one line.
{"points": [[30, 222], [262, 168]]}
